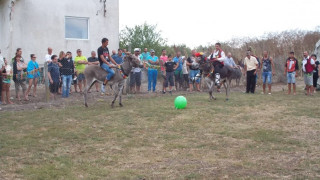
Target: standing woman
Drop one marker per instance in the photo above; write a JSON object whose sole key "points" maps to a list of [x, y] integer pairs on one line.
{"points": [[62, 55], [33, 75], [18, 70], [6, 83]]}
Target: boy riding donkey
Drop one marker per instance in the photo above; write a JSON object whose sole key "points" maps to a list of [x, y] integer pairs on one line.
{"points": [[217, 58]]}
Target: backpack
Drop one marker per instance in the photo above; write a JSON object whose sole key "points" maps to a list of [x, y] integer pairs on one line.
{"points": [[309, 68]]}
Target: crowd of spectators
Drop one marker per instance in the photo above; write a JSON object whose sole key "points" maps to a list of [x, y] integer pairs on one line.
{"points": [[174, 71]]}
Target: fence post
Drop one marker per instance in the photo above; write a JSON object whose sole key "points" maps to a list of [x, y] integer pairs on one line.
{"points": [[46, 82]]}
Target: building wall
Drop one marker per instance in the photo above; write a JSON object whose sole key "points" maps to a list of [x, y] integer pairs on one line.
{"points": [[36, 25]]}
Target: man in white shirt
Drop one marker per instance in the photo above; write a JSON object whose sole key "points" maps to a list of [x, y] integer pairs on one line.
{"points": [[135, 76], [308, 65], [217, 58], [250, 70], [48, 56]]}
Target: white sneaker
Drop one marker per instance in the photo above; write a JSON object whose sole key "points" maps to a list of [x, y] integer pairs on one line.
{"points": [[103, 89]]}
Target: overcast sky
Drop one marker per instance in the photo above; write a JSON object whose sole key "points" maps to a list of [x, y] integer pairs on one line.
{"points": [[201, 22]]}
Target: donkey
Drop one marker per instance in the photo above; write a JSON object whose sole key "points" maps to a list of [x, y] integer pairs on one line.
{"points": [[227, 73], [96, 73]]}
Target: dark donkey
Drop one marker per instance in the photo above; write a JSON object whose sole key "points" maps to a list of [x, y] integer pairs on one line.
{"points": [[96, 73], [227, 73]]}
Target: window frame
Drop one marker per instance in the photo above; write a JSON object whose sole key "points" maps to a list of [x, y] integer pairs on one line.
{"points": [[76, 17]]}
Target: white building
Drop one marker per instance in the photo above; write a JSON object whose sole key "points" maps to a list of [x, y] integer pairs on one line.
{"points": [[35, 25]]}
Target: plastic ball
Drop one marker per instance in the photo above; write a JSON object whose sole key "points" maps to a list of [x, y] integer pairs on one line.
{"points": [[180, 102]]}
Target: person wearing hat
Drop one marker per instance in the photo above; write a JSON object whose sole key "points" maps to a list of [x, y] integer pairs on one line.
{"points": [[152, 72], [135, 76]]}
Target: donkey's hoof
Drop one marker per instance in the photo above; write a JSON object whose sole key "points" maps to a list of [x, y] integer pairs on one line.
{"points": [[112, 105], [121, 105], [86, 104]]}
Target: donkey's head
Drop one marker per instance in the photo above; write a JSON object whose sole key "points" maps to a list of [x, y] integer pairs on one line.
{"points": [[132, 60], [205, 64]]}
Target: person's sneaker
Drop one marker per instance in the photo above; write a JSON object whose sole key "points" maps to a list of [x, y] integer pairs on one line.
{"points": [[269, 93], [103, 90], [163, 92], [170, 92]]}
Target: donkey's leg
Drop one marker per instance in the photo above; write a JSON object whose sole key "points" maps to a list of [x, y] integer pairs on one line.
{"points": [[90, 82], [121, 85], [115, 97], [227, 87], [210, 85]]}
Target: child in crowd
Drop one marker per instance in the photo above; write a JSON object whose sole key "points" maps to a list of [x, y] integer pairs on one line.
{"points": [[54, 76], [6, 83], [170, 66]]}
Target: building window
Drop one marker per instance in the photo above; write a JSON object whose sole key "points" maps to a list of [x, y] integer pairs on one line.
{"points": [[76, 28]]}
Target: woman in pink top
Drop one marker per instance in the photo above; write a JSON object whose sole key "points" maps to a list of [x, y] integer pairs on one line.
{"points": [[163, 60]]}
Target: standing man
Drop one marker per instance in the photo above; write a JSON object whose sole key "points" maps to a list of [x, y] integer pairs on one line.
{"points": [[308, 65], [80, 62], [152, 72], [67, 68], [135, 76], [316, 72], [114, 52], [118, 57], [48, 56], [267, 67], [2, 67], [217, 57], [124, 52], [106, 62], [250, 67], [291, 70], [94, 61], [178, 71], [193, 64], [145, 55], [163, 60], [229, 61]]}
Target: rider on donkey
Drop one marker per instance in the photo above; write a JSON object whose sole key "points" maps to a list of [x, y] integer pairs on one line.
{"points": [[217, 58], [106, 62]]}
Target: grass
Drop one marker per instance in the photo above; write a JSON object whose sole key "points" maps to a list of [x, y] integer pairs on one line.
{"points": [[248, 137]]}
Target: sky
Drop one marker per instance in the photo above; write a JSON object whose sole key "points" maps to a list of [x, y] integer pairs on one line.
{"points": [[203, 22]]}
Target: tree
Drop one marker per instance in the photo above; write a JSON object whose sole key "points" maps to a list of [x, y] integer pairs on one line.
{"points": [[142, 36]]}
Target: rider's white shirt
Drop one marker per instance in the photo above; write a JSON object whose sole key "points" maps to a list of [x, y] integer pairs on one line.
{"points": [[216, 53]]}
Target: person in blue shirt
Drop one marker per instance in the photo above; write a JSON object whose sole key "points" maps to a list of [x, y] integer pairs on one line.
{"points": [[178, 72], [152, 72], [145, 55], [33, 75], [229, 61], [118, 57], [54, 76]]}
